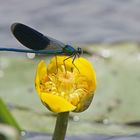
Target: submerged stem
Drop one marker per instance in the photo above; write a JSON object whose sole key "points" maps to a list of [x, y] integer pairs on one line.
{"points": [[61, 126]]}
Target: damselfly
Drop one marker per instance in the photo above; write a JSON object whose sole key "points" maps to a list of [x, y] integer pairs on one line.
{"points": [[39, 43]]}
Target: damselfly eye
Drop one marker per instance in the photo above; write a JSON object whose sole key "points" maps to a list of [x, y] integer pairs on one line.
{"points": [[79, 51]]}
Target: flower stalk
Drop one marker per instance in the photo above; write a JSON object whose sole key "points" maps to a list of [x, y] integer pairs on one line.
{"points": [[61, 126]]}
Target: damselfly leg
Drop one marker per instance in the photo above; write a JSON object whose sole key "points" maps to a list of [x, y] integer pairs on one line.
{"points": [[73, 62], [74, 57]]}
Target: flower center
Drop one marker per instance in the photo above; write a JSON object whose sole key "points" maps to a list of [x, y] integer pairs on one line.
{"points": [[67, 84]]}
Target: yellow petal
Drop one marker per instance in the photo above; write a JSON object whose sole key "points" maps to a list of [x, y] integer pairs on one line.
{"points": [[41, 71], [56, 103], [86, 69]]}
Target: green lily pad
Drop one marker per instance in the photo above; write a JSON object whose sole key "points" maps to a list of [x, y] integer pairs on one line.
{"points": [[115, 107]]}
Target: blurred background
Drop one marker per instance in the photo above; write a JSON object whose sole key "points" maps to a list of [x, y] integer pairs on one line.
{"points": [[108, 31]]}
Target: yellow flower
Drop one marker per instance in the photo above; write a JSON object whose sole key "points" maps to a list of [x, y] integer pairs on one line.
{"points": [[63, 86]]}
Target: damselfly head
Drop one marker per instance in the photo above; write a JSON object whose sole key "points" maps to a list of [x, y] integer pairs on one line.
{"points": [[79, 51]]}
